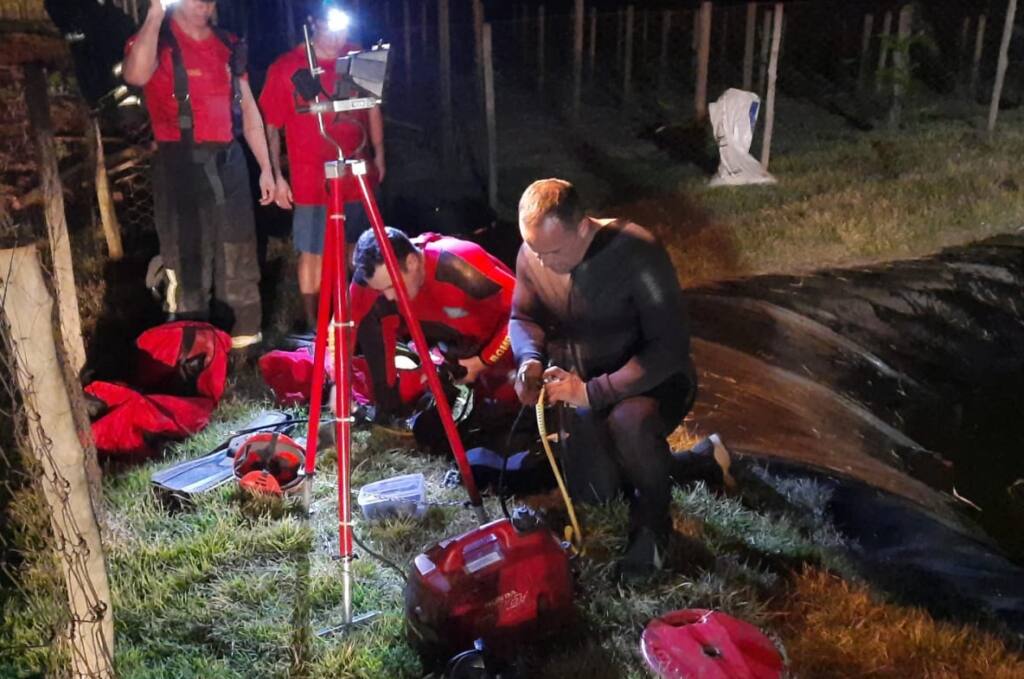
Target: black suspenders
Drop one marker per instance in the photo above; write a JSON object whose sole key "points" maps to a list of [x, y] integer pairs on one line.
{"points": [[186, 121]]}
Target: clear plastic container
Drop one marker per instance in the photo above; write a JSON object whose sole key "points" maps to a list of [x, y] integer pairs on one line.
{"points": [[399, 496]]}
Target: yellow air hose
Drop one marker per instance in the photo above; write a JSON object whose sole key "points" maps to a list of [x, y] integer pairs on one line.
{"points": [[572, 532]]}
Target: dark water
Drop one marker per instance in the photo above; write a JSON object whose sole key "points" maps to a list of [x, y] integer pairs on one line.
{"points": [[903, 384]]}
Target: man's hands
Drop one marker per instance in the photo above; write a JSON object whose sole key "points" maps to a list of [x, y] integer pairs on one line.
{"points": [[528, 381], [267, 187], [473, 368], [378, 162], [283, 194], [561, 386]]}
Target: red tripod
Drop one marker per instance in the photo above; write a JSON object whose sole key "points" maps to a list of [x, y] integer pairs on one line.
{"points": [[334, 310]]}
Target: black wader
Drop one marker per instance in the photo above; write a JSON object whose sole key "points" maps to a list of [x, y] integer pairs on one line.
{"points": [[204, 218]]}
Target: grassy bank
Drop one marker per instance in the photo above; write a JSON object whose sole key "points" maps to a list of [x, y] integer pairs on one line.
{"points": [[231, 587], [845, 199]]}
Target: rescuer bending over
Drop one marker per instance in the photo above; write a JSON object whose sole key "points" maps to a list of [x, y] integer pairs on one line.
{"points": [[460, 294]]}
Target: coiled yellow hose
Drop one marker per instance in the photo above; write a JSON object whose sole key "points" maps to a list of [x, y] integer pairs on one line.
{"points": [[573, 533]]}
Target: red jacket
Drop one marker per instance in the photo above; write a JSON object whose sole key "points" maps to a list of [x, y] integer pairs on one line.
{"points": [[465, 301]]}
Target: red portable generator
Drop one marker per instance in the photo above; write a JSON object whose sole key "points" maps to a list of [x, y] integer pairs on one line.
{"points": [[493, 583]]}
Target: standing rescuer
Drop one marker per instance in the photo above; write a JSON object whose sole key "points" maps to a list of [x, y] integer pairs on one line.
{"points": [[199, 102], [599, 301], [357, 132]]}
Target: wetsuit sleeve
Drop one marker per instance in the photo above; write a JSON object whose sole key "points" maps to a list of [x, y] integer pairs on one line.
{"points": [[375, 329], [524, 330], [499, 344], [664, 329]]}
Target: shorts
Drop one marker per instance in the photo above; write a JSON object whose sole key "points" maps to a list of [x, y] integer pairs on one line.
{"points": [[309, 224]]}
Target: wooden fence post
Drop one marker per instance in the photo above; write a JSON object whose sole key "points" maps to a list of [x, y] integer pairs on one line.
{"points": [[492, 126], [478, 36], [766, 41], [1004, 48], [748, 46], [592, 49], [883, 50], [773, 65], [627, 74], [444, 45], [407, 42], [108, 216], [644, 25], [979, 46], [38, 104], [961, 53], [619, 30], [423, 28], [900, 64], [577, 57], [865, 49], [700, 102], [53, 439], [666, 29], [540, 47]]}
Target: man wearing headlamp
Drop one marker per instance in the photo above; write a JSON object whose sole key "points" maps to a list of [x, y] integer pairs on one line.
{"points": [[198, 97], [359, 133]]}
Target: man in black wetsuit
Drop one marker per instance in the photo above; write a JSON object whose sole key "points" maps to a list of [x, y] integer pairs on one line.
{"points": [[599, 302]]}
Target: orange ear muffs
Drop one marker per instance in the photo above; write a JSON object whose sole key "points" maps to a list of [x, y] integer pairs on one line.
{"points": [[276, 454], [260, 483]]}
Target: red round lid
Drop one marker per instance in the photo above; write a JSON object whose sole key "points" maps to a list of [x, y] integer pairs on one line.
{"points": [[708, 644]]}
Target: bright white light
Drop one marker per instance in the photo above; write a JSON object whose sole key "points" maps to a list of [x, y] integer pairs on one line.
{"points": [[337, 20]]}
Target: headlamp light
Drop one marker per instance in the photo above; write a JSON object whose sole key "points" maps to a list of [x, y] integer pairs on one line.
{"points": [[337, 20]]}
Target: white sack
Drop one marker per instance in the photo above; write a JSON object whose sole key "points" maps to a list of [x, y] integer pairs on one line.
{"points": [[733, 118]]}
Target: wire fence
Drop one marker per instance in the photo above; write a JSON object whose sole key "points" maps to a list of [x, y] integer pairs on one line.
{"points": [[52, 595]]}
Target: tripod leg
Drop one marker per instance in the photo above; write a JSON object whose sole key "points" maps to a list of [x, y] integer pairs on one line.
{"points": [[319, 353], [342, 395], [429, 369]]}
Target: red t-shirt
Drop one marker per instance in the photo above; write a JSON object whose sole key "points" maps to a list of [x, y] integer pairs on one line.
{"points": [[307, 150], [209, 88]]}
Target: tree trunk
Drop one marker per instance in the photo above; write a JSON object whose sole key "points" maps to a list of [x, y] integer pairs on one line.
{"points": [[38, 104], [700, 99], [1004, 48], [773, 66], [28, 309], [748, 46]]}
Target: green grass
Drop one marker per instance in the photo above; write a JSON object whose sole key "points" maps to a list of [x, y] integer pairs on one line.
{"points": [[233, 587], [847, 200]]}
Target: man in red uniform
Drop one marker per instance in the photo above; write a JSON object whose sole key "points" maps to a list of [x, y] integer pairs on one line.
{"points": [[460, 294], [199, 101], [357, 132]]}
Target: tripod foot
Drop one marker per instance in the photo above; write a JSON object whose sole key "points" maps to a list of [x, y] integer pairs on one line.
{"points": [[344, 627]]}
